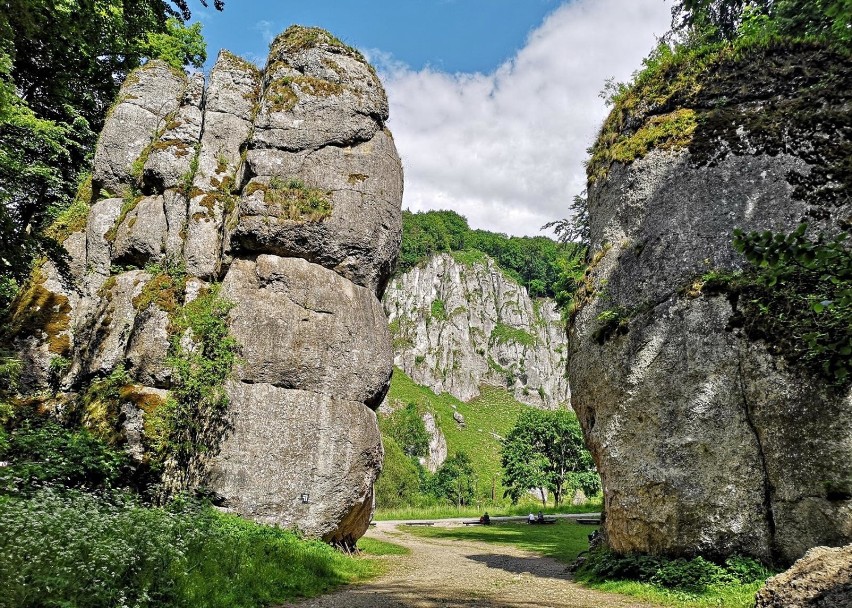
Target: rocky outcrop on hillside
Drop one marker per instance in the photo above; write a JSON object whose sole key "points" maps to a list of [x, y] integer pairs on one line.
{"points": [[821, 579], [709, 440], [459, 324], [269, 198]]}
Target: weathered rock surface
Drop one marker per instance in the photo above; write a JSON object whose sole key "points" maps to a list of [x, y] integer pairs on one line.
{"points": [[316, 355], [821, 579], [437, 444], [339, 329], [286, 443], [147, 100], [706, 441], [457, 326]]}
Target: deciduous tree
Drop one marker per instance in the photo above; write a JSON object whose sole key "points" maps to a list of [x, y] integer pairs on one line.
{"points": [[545, 449]]}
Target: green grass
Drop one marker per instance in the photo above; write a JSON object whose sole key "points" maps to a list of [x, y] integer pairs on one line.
{"points": [[564, 540], [741, 596], [502, 334], [70, 548], [372, 546], [449, 511], [487, 417]]}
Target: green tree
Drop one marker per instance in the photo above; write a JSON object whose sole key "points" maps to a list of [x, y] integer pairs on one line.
{"points": [[717, 20], [545, 449], [61, 63], [455, 480], [406, 427], [399, 482], [178, 45]]}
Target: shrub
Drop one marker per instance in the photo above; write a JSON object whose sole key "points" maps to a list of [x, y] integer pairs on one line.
{"points": [[43, 452], [691, 575]]}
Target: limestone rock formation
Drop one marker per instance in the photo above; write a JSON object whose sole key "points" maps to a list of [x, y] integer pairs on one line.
{"points": [[437, 444], [459, 325], [279, 192], [821, 579], [709, 441]]}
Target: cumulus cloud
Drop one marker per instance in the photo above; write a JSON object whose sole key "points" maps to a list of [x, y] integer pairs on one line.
{"points": [[506, 149]]}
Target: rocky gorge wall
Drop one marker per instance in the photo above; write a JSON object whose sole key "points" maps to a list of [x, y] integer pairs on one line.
{"points": [[273, 198], [459, 324], [707, 440]]}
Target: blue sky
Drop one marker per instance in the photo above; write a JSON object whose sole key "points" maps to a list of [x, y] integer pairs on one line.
{"points": [[493, 103], [451, 35]]}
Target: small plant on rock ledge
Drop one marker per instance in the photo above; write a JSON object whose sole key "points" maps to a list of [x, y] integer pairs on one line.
{"points": [[799, 293], [293, 199]]}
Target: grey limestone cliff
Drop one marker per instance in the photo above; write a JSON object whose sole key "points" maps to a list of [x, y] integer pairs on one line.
{"points": [[708, 440], [278, 189], [457, 325]]}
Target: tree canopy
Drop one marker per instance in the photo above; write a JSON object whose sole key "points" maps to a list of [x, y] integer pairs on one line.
{"points": [[535, 262], [455, 480], [829, 20], [545, 450], [61, 65]]}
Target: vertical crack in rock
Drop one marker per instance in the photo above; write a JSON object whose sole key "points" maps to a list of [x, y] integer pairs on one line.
{"points": [[768, 490]]}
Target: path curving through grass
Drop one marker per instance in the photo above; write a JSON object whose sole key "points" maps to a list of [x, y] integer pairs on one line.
{"points": [[453, 573]]}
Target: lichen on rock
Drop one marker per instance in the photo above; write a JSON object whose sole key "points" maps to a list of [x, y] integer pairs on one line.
{"points": [[706, 439]]}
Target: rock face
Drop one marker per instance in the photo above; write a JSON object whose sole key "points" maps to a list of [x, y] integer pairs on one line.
{"points": [[437, 444], [821, 579], [459, 325], [708, 441], [283, 186]]}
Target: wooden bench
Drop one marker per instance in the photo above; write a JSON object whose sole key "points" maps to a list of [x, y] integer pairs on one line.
{"points": [[420, 523], [472, 523], [541, 522], [588, 521]]}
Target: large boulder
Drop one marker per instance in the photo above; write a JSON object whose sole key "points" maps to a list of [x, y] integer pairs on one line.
{"points": [[709, 440], [297, 291], [821, 579]]}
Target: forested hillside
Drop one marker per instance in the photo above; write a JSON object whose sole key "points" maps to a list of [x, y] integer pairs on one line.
{"points": [[540, 264]]}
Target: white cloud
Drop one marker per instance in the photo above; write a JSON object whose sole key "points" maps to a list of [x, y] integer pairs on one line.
{"points": [[267, 30], [506, 149]]}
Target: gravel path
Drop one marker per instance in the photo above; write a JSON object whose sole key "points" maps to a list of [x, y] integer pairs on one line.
{"points": [[453, 573]]}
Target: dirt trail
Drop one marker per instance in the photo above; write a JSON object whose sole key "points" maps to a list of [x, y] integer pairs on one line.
{"points": [[453, 573]]}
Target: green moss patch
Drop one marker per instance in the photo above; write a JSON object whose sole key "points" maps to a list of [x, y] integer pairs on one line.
{"points": [[726, 99], [38, 310], [503, 334], [292, 200], [130, 201]]}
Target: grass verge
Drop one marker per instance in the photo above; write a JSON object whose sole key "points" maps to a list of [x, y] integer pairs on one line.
{"points": [[372, 546], [565, 540]]}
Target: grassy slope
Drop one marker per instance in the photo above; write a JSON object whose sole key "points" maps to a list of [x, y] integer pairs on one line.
{"points": [[494, 412], [565, 540]]}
